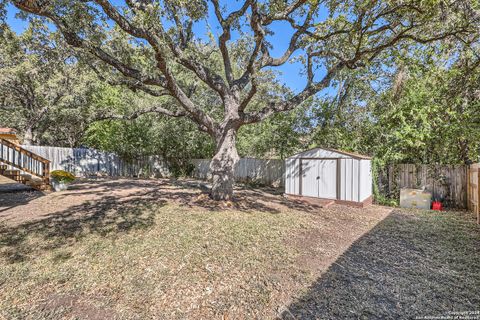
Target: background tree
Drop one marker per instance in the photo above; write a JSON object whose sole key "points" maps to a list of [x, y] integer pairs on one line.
{"points": [[41, 85], [177, 141], [433, 118], [422, 108], [351, 35], [278, 137]]}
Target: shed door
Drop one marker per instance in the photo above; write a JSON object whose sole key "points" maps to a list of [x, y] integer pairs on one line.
{"points": [[327, 182], [319, 178], [309, 178]]}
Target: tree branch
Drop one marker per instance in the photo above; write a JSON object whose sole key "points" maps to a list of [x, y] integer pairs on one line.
{"points": [[226, 35], [156, 34], [138, 113], [287, 105], [258, 23], [132, 84], [167, 82]]}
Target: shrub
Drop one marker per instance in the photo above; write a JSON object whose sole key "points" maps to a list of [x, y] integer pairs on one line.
{"points": [[62, 176]]}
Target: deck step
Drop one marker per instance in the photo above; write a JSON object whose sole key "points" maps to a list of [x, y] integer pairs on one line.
{"points": [[26, 176], [11, 172], [34, 183], [28, 180], [31, 182], [43, 187], [17, 178], [39, 186]]}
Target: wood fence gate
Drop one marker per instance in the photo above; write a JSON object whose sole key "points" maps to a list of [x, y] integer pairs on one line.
{"points": [[473, 189]]}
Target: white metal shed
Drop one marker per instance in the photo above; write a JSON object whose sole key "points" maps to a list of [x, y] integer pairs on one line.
{"points": [[344, 177]]}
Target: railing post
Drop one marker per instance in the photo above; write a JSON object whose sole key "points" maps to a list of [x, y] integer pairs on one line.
{"points": [[46, 172]]}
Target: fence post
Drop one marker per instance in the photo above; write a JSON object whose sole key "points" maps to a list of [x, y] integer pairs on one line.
{"points": [[478, 195], [469, 204]]}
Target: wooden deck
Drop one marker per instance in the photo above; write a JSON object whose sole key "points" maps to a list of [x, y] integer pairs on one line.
{"points": [[23, 166]]}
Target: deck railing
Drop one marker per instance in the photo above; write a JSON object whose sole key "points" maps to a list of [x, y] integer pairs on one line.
{"points": [[15, 156]]}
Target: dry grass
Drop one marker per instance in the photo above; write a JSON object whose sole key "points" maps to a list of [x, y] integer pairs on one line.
{"points": [[413, 264], [186, 262], [142, 249]]}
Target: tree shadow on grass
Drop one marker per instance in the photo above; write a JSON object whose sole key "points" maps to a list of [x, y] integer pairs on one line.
{"points": [[16, 198], [107, 215], [116, 206], [407, 266], [13, 194], [248, 199], [194, 193]]}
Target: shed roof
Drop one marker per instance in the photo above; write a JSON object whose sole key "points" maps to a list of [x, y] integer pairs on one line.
{"points": [[352, 154], [345, 153]]}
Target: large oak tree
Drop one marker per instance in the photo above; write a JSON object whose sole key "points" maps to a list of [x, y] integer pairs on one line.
{"points": [[328, 37]]}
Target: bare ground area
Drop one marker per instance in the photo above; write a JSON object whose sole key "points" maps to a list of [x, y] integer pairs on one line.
{"points": [[161, 249]]}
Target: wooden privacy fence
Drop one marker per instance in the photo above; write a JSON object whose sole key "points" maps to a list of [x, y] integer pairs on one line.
{"points": [[88, 162], [446, 182], [473, 189], [265, 172], [457, 186]]}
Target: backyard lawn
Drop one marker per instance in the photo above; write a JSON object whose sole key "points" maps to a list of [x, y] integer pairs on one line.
{"points": [[161, 249]]}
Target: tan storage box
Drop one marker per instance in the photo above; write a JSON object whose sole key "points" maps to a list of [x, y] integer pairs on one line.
{"points": [[415, 198]]}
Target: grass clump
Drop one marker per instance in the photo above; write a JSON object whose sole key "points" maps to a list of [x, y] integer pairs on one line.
{"points": [[62, 176]]}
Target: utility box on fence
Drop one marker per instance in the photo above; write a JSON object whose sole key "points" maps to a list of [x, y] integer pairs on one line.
{"points": [[415, 198]]}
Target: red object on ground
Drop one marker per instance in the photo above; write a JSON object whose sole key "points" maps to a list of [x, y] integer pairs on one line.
{"points": [[437, 205]]}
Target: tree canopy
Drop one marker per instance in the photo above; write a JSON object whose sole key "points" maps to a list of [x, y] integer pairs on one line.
{"points": [[43, 89], [221, 81]]}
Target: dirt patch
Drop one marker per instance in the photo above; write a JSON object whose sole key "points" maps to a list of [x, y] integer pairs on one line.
{"points": [[332, 231], [64, 306]]}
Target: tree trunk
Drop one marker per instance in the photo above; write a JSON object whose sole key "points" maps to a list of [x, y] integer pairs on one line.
{"points": [[28, 136], [222, 166]]}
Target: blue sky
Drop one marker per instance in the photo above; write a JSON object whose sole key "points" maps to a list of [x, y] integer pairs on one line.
{"points": [[290, 72]]}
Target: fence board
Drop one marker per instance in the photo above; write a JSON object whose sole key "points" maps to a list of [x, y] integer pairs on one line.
{"points": [[473, 190], [265, 172], [88, 162]]}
